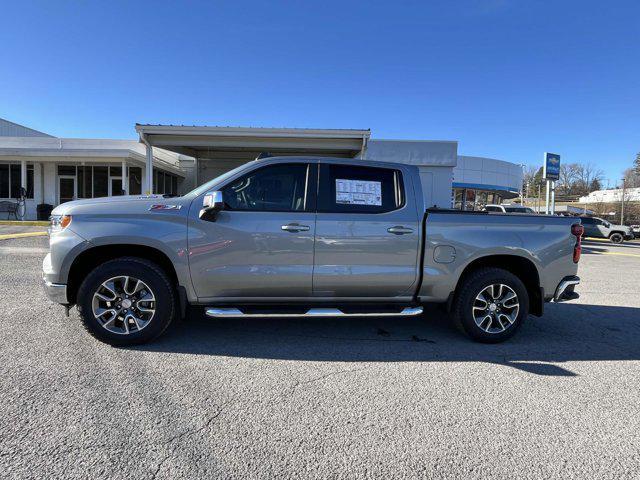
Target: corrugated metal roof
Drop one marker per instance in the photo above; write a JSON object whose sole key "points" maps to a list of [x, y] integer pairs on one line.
{"points": [[11, 129]]}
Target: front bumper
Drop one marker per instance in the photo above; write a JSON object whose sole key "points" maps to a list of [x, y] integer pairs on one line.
{"points": [[56, 292], [565, 289]]}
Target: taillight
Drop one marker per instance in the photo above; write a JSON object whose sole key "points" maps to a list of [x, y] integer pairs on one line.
{"points": [[577, 230]]}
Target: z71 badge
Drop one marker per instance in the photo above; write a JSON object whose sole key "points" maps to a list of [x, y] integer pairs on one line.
{"points": [[164, 207]]}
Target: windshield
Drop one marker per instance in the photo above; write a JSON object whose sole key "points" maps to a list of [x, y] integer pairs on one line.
{"points": [[204, 188]]}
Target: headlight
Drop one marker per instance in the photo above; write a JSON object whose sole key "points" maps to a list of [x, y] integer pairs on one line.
{"points": [[59, 223]]}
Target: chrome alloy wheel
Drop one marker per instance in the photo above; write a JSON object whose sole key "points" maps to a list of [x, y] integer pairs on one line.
{"points": [[496, 308], [124, 305]]}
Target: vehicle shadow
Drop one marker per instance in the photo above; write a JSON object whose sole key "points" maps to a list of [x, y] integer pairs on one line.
{"points": [[567, 333]]}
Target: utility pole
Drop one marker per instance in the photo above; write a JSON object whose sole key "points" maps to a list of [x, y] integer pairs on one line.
{"points": [[624, 184]]}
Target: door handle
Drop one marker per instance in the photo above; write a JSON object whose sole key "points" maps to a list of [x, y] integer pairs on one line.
{"points": [[295, 227], [399, 230]]}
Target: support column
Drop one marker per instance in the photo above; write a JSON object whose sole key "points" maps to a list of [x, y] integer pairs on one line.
{"points": [[23, 184], [125, 178], [148, 184], [546, 205]]}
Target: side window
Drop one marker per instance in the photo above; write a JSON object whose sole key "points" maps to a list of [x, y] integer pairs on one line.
{"points": [[597, 221], [357, 189], [493, 209], [586, 220], [274, 188]]}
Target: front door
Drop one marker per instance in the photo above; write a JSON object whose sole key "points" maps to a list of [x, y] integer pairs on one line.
{"points": [[66, 189], [261, 244], [367, 233]]}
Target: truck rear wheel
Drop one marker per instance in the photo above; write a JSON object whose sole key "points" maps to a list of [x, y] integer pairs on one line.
{"points": [[126, 301], [490, 305]]}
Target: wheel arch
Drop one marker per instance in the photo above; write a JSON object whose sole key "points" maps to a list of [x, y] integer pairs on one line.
{"points": [[90, 258], [521, 267]]}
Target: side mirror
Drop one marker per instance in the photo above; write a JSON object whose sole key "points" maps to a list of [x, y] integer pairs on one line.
{"points": [[212, 203]]}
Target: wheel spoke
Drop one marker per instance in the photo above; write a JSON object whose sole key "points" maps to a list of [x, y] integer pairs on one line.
{"points": [[147, 297], [136, 320], [504, 315], [135, 288], [495, 295], [502, 324], [105, 298], [111, 287], [481, 298]]}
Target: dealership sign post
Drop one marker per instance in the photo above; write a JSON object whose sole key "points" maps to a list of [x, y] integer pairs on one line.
{"points": [[551, 173]]}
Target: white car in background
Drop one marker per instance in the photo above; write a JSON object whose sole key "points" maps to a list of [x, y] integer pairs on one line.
{"points": [[508, 208]]}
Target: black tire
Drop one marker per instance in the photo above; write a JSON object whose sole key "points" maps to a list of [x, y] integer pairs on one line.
{"points": [[616, 237], [465, 299], [149, 273]]}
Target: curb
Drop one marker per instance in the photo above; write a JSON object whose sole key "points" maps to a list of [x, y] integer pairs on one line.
{"points": [[25, 223], [9, 236]]}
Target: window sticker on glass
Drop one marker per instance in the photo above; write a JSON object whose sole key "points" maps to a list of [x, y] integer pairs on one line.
{"points": [[358, 192]]}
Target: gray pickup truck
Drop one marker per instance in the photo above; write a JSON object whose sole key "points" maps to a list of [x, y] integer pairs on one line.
{"points": [[294, 236]]}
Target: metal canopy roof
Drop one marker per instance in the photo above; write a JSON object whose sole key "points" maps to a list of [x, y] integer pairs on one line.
{"points": [[206, 141]]}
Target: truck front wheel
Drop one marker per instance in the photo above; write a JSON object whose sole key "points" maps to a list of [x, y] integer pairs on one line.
{"points": [[490, 305], [126, 301]]}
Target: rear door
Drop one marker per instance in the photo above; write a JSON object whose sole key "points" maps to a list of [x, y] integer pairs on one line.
{"points": [[261, 244], [367, 232]]}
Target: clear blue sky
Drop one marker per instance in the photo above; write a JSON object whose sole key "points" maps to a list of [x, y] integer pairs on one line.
{"points": [[507, 79]]}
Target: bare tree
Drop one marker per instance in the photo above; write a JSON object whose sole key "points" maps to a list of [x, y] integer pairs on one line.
{"points": [[633, 177], [568, 177], [588, 176]]}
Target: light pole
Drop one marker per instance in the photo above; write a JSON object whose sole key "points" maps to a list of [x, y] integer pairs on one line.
{"points": [[624, 184]]}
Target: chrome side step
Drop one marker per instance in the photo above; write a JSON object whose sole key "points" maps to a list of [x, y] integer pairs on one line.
{"points": [[219, 312]]}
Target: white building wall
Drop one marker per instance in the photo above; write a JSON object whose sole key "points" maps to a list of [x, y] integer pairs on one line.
{"points": [[436, 186], [49, 183], [435, 161], [488, 172], [611, 196]]}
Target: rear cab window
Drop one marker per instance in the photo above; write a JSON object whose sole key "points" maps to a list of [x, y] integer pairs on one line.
{"points": [[359, 189]]}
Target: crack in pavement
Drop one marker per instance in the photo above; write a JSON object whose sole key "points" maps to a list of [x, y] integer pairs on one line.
{"points": [[185, 433]]}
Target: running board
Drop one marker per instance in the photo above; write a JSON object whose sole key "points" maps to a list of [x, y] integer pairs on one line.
{"points": [[218, 312]]}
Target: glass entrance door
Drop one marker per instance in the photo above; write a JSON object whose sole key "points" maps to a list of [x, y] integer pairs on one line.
{"points": [[116, 186], [66, 189]]}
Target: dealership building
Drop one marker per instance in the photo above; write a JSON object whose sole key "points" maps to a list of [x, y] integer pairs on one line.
{"points": [[171, 159]]}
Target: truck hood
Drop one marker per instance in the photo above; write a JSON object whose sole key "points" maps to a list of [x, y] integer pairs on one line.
{"points": [[120, 204]]}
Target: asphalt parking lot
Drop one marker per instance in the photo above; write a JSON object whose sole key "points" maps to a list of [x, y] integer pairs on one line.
{"points": [[383, 398]]}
